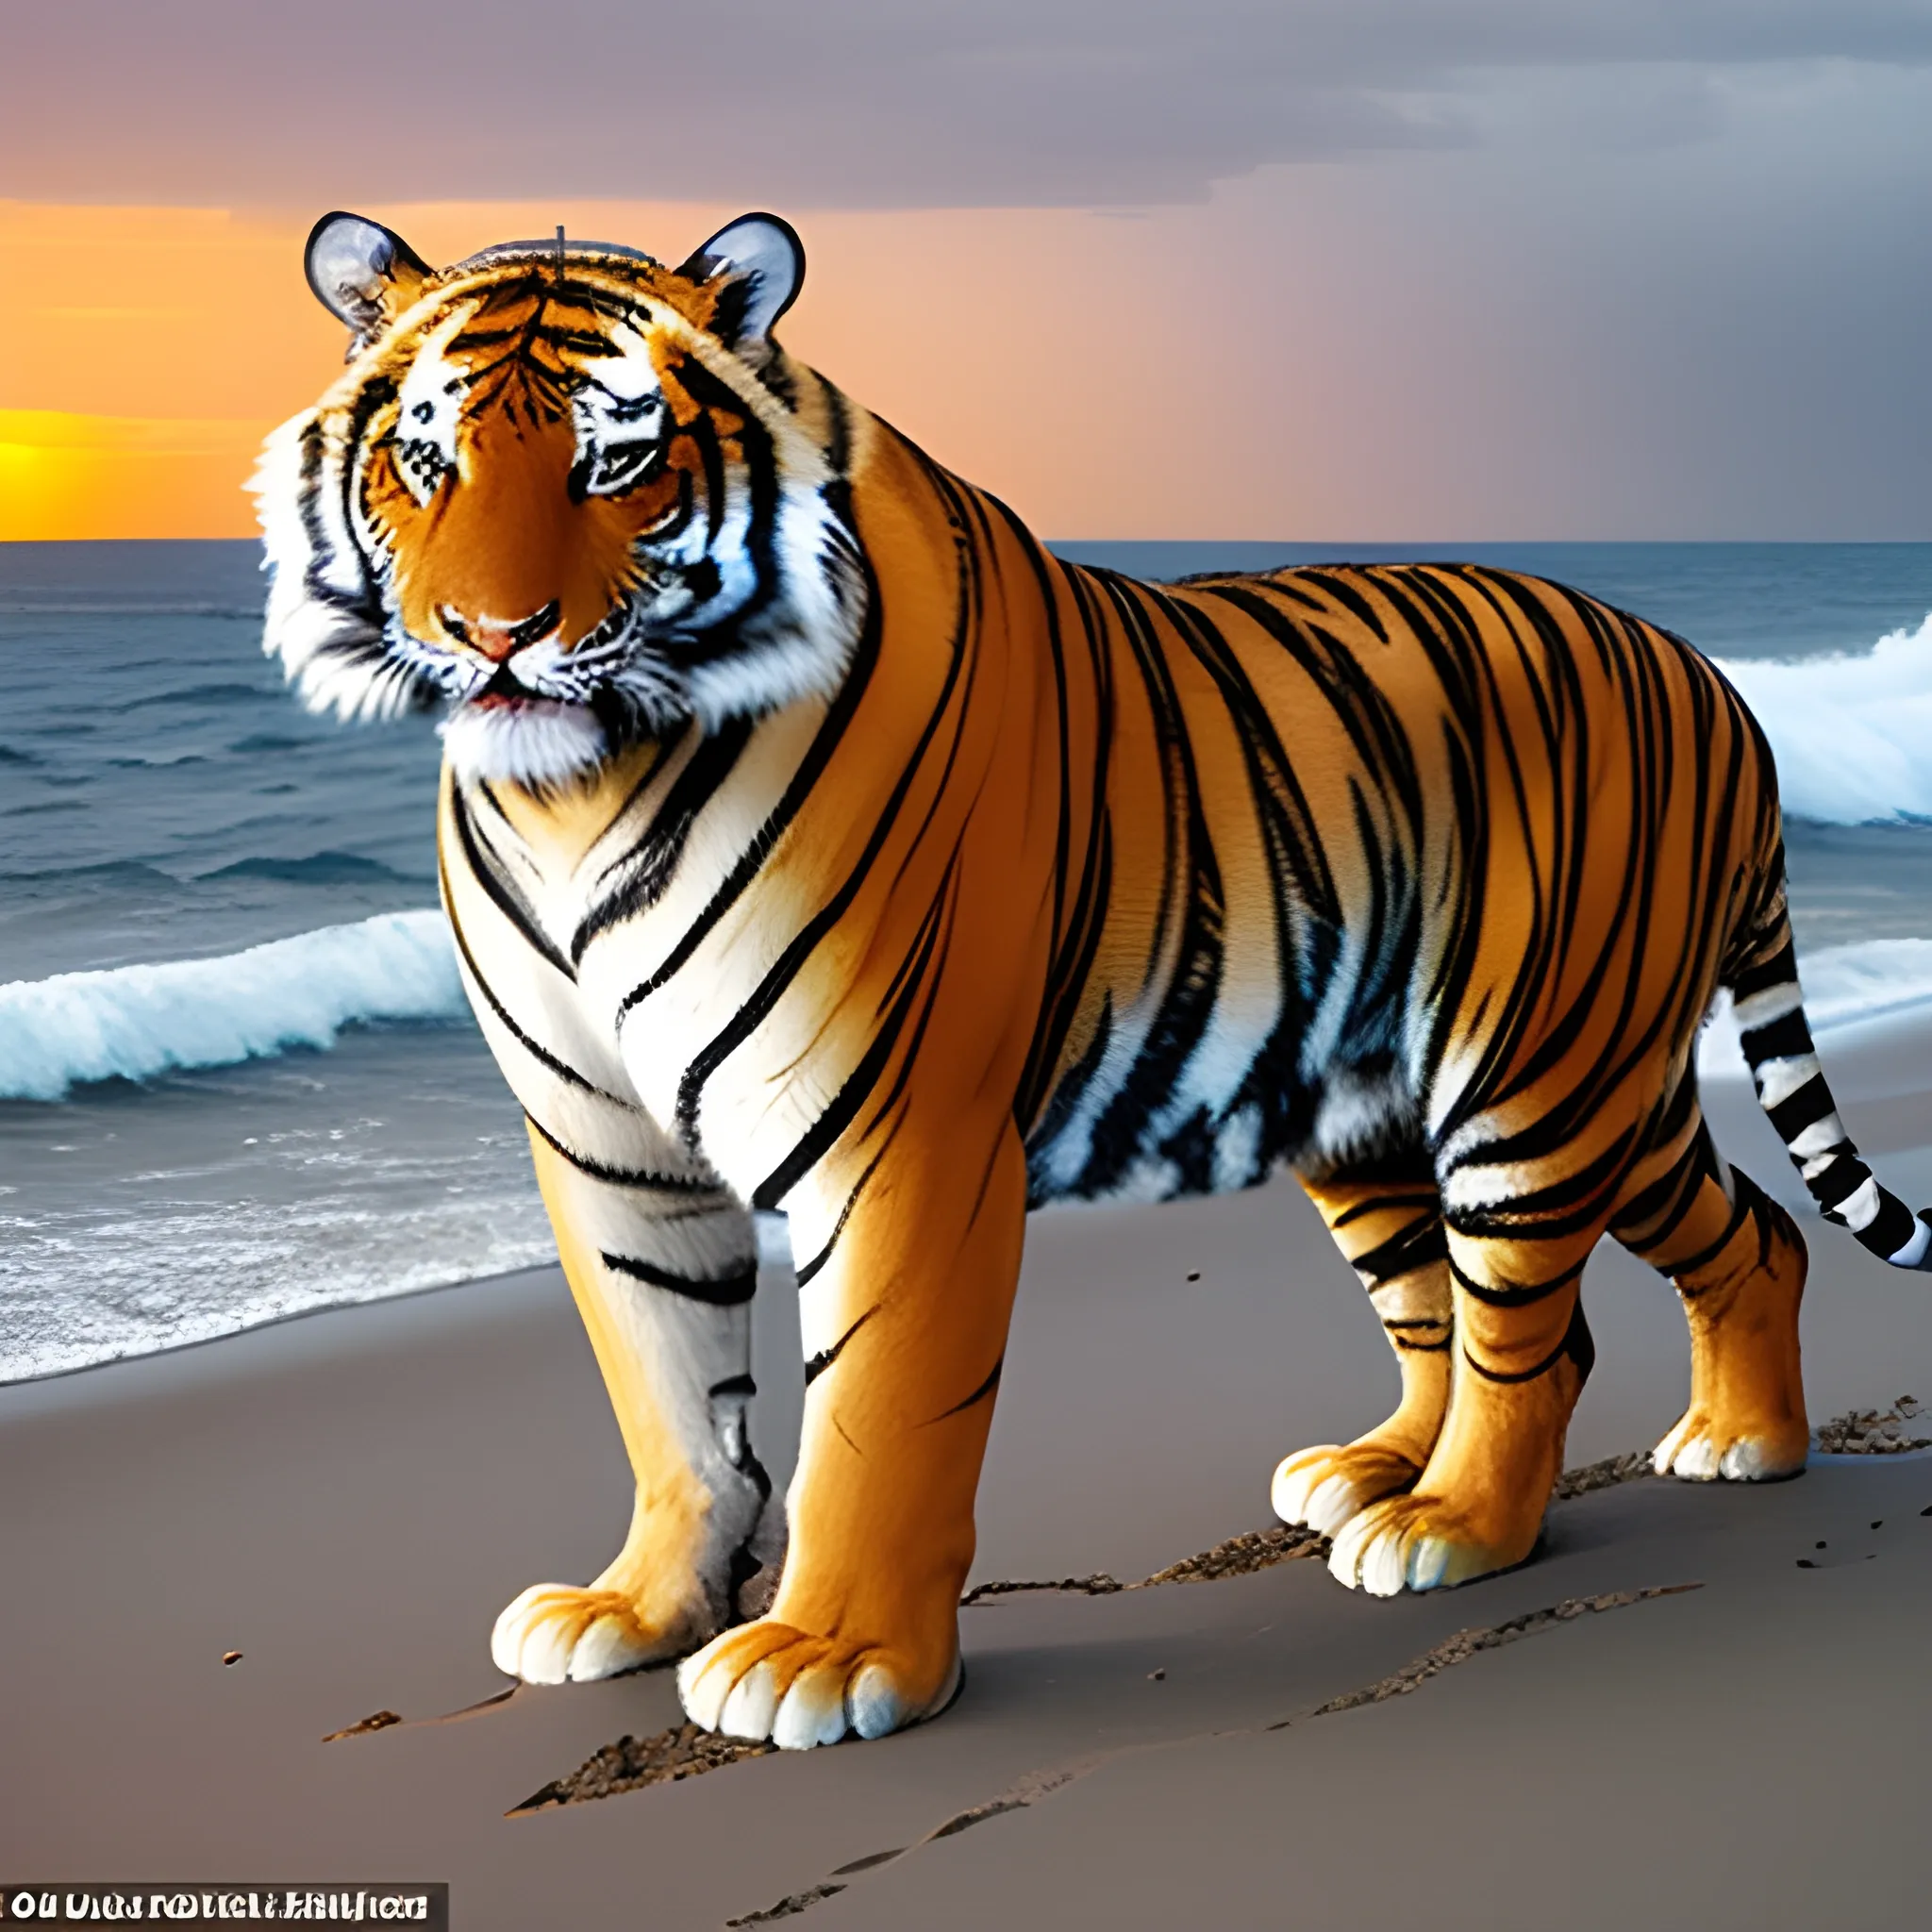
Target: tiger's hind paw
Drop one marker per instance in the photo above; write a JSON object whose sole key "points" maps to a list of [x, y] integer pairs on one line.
{"points": [[768, 1679], [554, 1634], [1418, 1542], [1325, 1487], [1700, 1449]]}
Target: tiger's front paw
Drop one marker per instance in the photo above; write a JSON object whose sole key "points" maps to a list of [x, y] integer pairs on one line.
{"points": [[553, 1633], [769, 1679], [1424, 1542], [1324, 1487]]}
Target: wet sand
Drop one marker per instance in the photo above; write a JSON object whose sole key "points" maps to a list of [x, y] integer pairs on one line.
{"points": [[348, 1499]]}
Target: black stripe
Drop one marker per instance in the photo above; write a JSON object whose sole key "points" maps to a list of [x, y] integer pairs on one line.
{"points": [[1781, 969], [1889, 1229], [619, 1176], [1422, 1244], [505, 901], [1654, 1214], [770, 989], [660, 754], [541, 1055], [803, 781], [1577, 1343], [1846, 1174], [1568, 1205], [805, 1274], [732, 1385], [1287, 819], [1786, 1039], [1809, 1104], [978, 1395], [1192, 908], [853, 1094], [908, 1060], [827, 1356], [1397, 1169], [730, 1292], [654, 859], [1514, 1297], [1344, 592], [1748, 1205], [1076, 934]]}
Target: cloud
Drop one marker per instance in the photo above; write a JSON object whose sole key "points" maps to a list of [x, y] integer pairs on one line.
{"points": [[853, 103]]}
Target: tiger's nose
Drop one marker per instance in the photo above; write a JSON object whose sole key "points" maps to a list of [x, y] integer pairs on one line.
{"points": [[498, 637]]}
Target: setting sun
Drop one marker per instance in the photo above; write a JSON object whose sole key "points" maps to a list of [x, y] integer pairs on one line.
{"points": [[64, 475]]}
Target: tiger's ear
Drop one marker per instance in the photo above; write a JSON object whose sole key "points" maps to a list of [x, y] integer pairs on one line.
{"points": [[361, 272], [757, 266]]}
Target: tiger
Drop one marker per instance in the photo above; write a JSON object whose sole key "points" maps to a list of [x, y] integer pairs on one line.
{"points": [[814, 839]]}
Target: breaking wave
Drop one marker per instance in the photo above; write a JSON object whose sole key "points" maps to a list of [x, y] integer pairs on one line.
{"points": [[134, 1022], [131, 1022], [1853, 733]]}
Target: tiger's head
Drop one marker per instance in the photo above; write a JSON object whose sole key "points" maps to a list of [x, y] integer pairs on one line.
{"points": [[573, 497]]}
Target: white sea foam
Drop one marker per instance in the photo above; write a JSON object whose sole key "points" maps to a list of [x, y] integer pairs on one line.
{"points": [[1852, 734], [80, 1290], [135, 1021]]}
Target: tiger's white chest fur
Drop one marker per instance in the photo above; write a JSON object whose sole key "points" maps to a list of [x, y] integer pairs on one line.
{"points": [[603, 974]]}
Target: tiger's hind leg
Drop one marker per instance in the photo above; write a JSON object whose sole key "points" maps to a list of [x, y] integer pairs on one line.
{"points": [[1521, 1353], [1738, 1264], [1387, 1218]]}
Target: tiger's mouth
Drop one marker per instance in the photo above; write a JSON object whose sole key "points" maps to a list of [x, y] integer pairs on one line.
{"points": [[503, 691], [518, 704], [543, 676], [526, 738]]}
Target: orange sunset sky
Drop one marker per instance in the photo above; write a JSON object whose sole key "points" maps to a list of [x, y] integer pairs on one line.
{"points": [[1593, 287]]}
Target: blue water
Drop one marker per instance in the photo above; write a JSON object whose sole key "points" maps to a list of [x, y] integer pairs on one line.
{"points": [[163, 800]]}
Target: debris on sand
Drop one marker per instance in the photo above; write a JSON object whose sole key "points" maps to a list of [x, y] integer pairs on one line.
{"points": [[1240, 1556], [790, 1908], [1465, 1644], [1099, 1584], [375, 1721], [1871, 1431], [1282, 1542], [631, 1763], [1606, 1475]]}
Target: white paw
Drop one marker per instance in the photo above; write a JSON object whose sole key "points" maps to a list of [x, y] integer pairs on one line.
{"points": [[1297, 1481], [1695, 1459], [554, 1634], [1692, 1453], [1327, 1486], [1369, 1558], [767, 1680], [1407, 1542]]}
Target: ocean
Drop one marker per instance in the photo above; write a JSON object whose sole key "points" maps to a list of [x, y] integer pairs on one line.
{"points": [[237, 1080]]}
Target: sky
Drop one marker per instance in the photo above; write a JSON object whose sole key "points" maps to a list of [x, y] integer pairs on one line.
{"points": [[1379, 270]]}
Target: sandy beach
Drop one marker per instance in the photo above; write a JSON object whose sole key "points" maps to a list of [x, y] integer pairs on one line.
{"points": [[347, 1499]]}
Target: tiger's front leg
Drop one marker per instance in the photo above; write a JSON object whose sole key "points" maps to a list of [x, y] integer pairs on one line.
{"points": [[904, 1311], [664, 1279]]}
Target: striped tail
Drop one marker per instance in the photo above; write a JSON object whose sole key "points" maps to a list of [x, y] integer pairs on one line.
{"points": [[1791, 1089]]}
